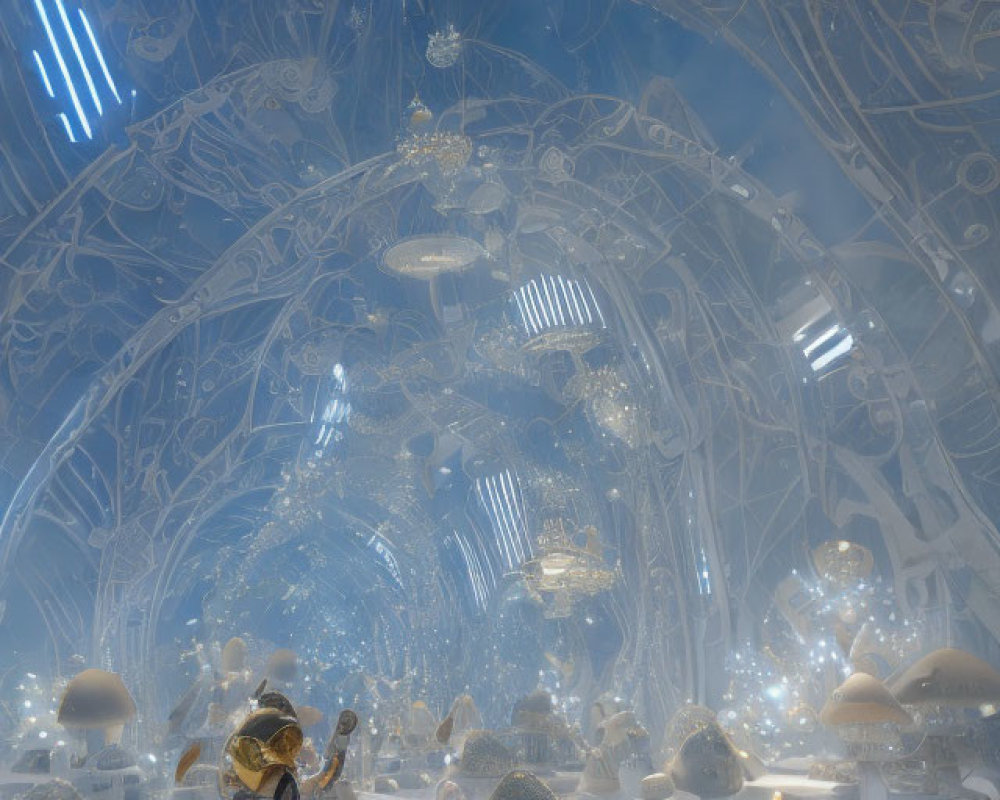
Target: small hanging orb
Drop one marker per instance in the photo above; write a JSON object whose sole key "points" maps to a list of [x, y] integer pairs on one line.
{"points": [[420, 114]]}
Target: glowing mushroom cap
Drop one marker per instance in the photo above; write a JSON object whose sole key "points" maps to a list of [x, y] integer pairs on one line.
{"points": [[485, 756], [707, 764], [657, 786], [948, 677], [95, 699], [282, 665], [531, 708], [234, 655], [861, 699], [521, 785], [688, 719], [449, 790]]}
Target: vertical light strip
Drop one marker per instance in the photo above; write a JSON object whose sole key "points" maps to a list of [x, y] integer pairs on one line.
{"points": [[514, 502], [535, 327], [62, 68], [472, 574], [565, 300], [557, 319], [578, 289], [597, 306], [68, 127], [494, 522], [505, 514], [502, 512], [519, 510], [79, 57], [100, 57], [512, 512], [533, 290], [484, 558], [45, 74], [571, 285], [531, 304], [476, 577], [479, 574], [524, 316], [500, 524]]}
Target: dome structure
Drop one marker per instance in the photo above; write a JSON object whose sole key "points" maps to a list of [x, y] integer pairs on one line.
{"points": [[291, 365]]}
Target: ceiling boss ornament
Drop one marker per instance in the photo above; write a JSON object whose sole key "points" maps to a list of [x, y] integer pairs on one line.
{"points": [[566, 572]]}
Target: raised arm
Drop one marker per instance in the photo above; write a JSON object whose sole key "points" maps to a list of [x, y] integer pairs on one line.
{"points": [[333, 757]]}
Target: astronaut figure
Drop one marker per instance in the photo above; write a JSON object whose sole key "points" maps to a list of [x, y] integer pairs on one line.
{"points": [[262, 753], [260, 756]]}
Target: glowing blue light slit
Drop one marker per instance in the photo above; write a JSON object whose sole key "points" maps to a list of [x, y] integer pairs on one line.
{"points": [[515, 555], [703, 575], [565, 301], [45, 74], [513, 511], [553, 299], [544, 299], [597, 306], [514, 504], [841, 348], [546, 302], [79, 56], [534, 308], [540, 291], [485, 559], [824, 337], [570, 285], [476, 590], [505, 519], [543, 314], [477, 582], [100, 57], [62, 68], [578, 289], [491, 512], [499, 525], [518, 298], [68, 127], [520, 308], [559, 290], [525, 296], [475, 572], [515, 492]]}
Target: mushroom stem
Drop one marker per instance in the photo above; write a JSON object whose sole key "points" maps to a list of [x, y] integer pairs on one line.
{"points": [[93, 740], [59, 764], [943, 762], [870, 783], [117, 788], [113, 734]]}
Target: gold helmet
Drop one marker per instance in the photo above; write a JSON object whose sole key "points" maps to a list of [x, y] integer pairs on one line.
{"points": [[267, 738]]}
